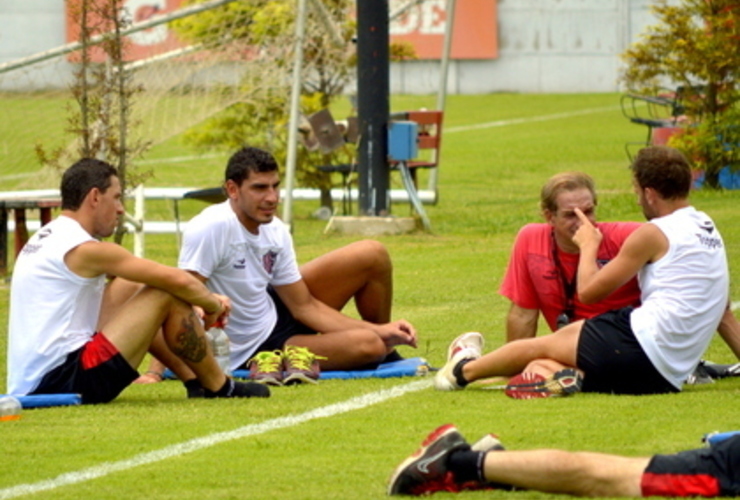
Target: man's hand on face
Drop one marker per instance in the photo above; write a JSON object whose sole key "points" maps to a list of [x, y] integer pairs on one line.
{"points": [[587, 236]]}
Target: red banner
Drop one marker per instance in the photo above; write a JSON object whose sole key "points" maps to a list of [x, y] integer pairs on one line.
{"points": [[140, 45], [475, 33], [423, 25]]}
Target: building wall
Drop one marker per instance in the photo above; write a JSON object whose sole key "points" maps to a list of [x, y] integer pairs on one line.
{"points": [[544, 46]]}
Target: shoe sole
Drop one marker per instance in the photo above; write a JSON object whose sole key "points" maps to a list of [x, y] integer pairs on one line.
{"points": [[436, 435], [275, 382], [445, 379], [299, 378]]}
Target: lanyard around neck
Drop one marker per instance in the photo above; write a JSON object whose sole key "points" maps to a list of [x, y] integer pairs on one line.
{"points": [[569, 287]]}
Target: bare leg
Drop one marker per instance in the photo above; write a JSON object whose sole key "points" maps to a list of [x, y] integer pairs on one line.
{"points": [[513, 358], [555, 471], [344, 350], [154, 373], [362, 270], [134, 325], [544, 367], [164, 357]]}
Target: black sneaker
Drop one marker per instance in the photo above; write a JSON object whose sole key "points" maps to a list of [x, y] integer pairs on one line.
{"points": [[426, 471], [700, 375], [194, 388], [233, 389], [716, 370]]}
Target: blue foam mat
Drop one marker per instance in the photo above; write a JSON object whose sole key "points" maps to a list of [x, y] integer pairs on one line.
{"points": [[404, 368], [717, 437], [47, 400]]}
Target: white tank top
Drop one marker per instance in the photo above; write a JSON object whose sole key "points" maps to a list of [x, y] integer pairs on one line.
{"points": [[684, 294], [53, 311]]}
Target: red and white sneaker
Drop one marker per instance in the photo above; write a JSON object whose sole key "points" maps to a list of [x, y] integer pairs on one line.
{"points": [[533, 386], [466, 347], [426, 471]]}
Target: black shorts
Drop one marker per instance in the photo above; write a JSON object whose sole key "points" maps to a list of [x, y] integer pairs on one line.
{"points": [[96, 371], [285, 327], [612, 359], [708, 472]]}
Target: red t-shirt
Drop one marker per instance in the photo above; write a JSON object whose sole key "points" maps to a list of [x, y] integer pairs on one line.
{"points": [[532, 279]]}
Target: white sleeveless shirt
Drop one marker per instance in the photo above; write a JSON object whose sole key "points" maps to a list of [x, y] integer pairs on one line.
{"points": [[684, 294], [53, 311]]}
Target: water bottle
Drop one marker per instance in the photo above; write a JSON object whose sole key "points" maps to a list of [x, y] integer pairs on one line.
{"points": [[10, 408], [220, 345]]}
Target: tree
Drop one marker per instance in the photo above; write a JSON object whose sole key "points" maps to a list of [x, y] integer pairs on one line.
{"points": [[262, 33], [695, 47], [103, 93]]}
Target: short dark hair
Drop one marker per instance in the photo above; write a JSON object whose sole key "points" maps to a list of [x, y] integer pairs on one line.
{"points": [[80, 178], [564, 182], [246, 160], [665, 170]]}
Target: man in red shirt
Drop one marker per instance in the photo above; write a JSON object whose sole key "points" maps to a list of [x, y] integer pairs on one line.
{"points": [[541, 275]]}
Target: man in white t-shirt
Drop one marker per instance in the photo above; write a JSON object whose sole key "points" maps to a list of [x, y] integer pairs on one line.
{"points": [[240, 249], [71, 331], [679, 258]]}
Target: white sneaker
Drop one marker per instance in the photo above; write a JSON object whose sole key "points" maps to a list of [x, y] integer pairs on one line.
{"points": [[466, 346], [489, 442]]}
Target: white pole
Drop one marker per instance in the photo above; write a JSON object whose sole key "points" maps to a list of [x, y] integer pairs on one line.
{"points": [[139, 213], [443, 72], [295, 102]]}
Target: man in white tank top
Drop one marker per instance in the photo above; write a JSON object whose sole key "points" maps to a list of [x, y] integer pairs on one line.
{"points": [[679, 258], [70, 332]]}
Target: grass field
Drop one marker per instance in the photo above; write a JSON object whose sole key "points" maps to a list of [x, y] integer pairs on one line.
{"points": [[341, 439]]}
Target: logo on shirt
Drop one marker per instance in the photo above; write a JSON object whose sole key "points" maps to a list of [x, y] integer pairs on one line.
{"points": [[709, 240], [240, 263], [268, 261], [43, 233], [707, 226]]}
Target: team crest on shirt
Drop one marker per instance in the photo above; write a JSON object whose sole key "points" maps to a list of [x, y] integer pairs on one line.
{"points": [[268, 261]]}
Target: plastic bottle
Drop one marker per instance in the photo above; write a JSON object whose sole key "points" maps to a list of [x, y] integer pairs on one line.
{"points": [[220, 345], [10, 408]]}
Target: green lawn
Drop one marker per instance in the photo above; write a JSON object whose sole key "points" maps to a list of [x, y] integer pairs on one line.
{"points": [[296, 445]]}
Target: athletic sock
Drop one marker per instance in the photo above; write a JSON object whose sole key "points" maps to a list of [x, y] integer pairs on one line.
{"points": [[393, 356], [194, 388], [467, 465], [457, 371], [232, 389]]}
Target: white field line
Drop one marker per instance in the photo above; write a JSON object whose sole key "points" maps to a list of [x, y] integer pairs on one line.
{"points": [[197, 444], [531, 119]]}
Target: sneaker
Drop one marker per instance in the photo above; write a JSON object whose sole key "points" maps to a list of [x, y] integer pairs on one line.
{"points": [[266, 367], [234, 389], [425, 471], [466, 347], [700, 375], [300, 365], [532, 386], [715, 370], [194, 388], [489, 442]]}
